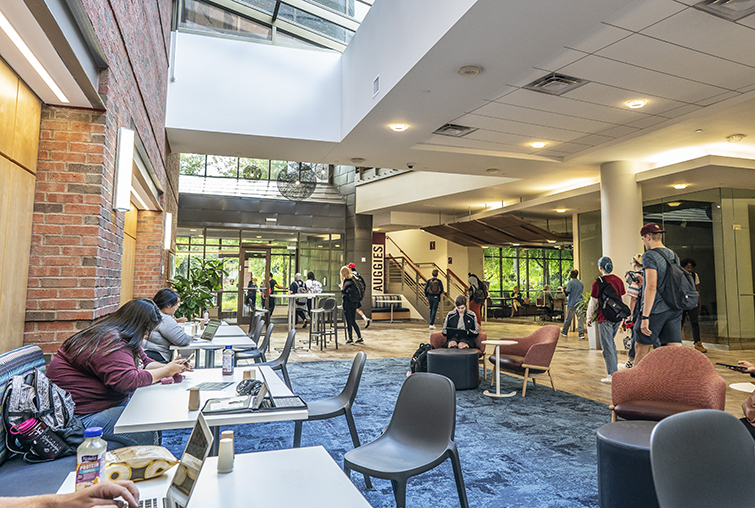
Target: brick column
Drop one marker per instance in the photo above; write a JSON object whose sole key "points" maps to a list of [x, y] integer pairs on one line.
{"points": [[149, 269]]}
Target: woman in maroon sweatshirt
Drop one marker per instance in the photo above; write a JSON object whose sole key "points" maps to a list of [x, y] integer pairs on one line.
{"points": [[102, 365]]}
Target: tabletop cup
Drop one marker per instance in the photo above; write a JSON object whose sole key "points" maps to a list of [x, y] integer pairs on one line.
{"points": [[250, 374], [194, 399]]}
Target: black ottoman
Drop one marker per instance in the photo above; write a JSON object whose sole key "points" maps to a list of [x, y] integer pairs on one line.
{"points": [[625, 478], [458, 365]]}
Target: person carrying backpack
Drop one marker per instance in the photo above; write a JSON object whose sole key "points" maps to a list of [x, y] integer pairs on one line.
{"points": [[351, 299], [606, 296], [477, 293], [362, 286], [433, 290], [660, 323]]}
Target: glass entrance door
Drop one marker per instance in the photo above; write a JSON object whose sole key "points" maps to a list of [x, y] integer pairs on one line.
{"points": [[252, 276]]}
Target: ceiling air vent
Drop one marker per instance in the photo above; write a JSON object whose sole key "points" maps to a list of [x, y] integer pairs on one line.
{"points": [[454, 130], [555, 84], [733, 10]]}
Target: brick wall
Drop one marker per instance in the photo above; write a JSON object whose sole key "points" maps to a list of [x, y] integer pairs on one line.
{"points": [[77, 238]]}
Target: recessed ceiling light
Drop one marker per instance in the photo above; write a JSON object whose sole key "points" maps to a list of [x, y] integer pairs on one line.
{"points": [[271, 219], [538, 144], [636, 103], [259, 236], [491, 170], [561, 210], [336, 245], [376, 229], [398, 127], [551, 241], [516, 244], [357, 160], [674, 203], [698, 131], [680, 186], [735, 138], [469, 71]]}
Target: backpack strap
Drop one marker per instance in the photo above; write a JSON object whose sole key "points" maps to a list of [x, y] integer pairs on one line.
{"points": [[659, 251]]}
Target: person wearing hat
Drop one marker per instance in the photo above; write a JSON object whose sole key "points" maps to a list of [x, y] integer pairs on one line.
{"points": [[659, 324], [297, 286], [607, 329], [634, 279], [356, 276]]}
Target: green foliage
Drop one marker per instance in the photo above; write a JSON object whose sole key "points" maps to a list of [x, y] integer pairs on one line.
{"points": [[197, 290], [192, 164], [582, 307]]}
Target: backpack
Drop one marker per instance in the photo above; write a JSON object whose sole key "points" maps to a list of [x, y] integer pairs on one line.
{"points": [[352, 292], [679, 291], [609, 302], [301, 288], [361, 285], [433, 287], [35, 396], [418, 362]]}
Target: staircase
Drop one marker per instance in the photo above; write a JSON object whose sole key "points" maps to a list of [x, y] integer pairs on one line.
{"points": [[405, 278]]}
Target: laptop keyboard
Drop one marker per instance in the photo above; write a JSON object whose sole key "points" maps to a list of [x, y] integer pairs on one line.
{"points": [[150, 503], [288, 402]]}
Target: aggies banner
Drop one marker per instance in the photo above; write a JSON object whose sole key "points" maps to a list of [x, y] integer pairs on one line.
{"points": [[378, 263]]}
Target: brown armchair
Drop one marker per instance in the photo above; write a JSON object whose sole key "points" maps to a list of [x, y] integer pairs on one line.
{"points": [[530, 356], [667, 381]]}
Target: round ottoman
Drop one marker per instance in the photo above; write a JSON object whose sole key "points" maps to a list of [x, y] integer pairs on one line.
{"points": [[458, 365], [625, 478]]}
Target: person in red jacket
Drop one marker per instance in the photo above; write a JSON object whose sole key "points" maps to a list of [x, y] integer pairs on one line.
{"points": [[101, 366], [606, 328]]}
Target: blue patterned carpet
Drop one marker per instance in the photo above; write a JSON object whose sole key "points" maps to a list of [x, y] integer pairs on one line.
{"points": [[533, 452]]}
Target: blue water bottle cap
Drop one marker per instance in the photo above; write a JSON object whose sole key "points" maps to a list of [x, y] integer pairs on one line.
{"points": [[229, 347], [93, 432]]}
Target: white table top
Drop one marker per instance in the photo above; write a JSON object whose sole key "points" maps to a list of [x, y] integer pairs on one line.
{"points": [[164, 407], [743, 387], [227, 335], [265, 479], [500, 342]]}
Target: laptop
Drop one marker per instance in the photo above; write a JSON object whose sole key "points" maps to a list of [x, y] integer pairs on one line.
{"points": [[187, 471], [262, 401], [211, 329], [456, 334]]}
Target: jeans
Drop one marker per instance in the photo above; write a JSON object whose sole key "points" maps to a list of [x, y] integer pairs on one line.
{"points": [[608, 330], [107, 418], [570, 313], [434, 301], [692, 321], [350, 315]]}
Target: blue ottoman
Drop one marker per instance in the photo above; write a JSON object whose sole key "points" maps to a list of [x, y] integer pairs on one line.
{"points": [[458, 365]]}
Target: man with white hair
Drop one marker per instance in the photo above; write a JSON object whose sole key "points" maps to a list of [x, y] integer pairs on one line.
{"points": [[298, 286]]}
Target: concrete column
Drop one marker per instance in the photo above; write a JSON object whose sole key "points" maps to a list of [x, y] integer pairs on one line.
{"points": [[620, 213], [575, 241]]}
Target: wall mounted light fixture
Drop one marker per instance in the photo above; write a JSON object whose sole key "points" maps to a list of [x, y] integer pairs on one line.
{"points": [[168, 230], [124, 166]]}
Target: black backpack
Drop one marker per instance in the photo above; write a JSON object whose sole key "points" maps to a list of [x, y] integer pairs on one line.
{"points": [[679, 292], [609, 302], [433, 287], [361, 285], [352, 292], [418, 362]]}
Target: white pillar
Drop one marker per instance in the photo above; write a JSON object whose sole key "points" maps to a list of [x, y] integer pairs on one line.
{"points": [[575, 241], [620, 213]]}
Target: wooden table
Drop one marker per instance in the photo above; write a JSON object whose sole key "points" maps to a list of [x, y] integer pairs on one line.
{"points": [[264, 479], [165, 407], [498, 344]]}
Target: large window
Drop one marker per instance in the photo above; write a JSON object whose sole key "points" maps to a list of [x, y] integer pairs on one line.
{"points": [[528, 268], [243, 168]]}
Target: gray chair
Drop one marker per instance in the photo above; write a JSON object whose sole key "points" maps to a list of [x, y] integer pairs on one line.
{"points": [[257, 353], [418, 438], [703, 458], [280, 362]]}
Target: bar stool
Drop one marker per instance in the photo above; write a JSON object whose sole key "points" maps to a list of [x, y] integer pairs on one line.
{"points": [[319, 328]]}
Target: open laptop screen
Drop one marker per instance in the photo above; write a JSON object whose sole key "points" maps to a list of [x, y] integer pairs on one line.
{"points": [[193, 458], [210, 330]]}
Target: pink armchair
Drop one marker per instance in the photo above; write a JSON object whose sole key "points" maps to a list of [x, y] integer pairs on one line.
{"points": [[667, 381], [531, 355]]}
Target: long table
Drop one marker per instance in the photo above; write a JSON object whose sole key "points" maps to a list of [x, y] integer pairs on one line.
{"points": [[226, 335], [277, 479], [165, 407]]}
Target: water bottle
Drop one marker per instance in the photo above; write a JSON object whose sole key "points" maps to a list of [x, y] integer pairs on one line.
{"points": [[206, 317], [228, 361], [90, 459]]}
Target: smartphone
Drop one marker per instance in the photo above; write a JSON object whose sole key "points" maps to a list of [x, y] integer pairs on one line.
{"points": [[187, 361], [738, 368]]}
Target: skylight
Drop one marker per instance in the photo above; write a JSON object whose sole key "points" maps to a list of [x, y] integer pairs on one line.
{"points": [[315, 23]]}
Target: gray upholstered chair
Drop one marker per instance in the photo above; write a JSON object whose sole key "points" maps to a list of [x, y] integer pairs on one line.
{"points": [[418, 438], [702, 458]]}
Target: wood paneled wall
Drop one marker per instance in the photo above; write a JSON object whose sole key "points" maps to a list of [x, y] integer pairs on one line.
{"points": [[19, 138]]}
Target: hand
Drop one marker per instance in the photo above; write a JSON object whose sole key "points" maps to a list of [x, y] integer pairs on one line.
{"points": [[463, 345], [747, 365], [453, 343], [589, 322], [103, 494], [181, 320], [645, 327], [178, 366]]}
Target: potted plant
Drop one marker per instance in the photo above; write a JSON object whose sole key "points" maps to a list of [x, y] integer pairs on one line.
{"points": [[199, 288]]}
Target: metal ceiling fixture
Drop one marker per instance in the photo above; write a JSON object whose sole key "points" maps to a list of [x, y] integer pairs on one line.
{"points": [[469, 71], [733, 10], [297, 182], [735, 138], [555, 84], [454, 130]]}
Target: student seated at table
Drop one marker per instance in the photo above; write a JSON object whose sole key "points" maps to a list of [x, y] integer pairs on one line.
{"points": [[463, 320], [101, 366], [99, 494], [167, 333]]}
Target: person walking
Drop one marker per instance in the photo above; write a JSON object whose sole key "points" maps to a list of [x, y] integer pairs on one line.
{"points": [[689, 265], [606, 329], [659, 324], [313, 286], [433, 291], [351, 299], [300, 304], [573, 292], [478, 293], [359, 280], [634, 279]]}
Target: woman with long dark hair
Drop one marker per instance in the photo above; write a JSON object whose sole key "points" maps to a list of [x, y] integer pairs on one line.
{"points": [[167, 333], [351, 299], [102, 365]]}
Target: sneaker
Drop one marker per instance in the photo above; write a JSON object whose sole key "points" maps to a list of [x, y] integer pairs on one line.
{"points": [[699, 346], [360, 340], [432, 327], [349, 341], [367, 322], [606, 380], [562, 334], [629, 364], [581, 337], [304, 325]]}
